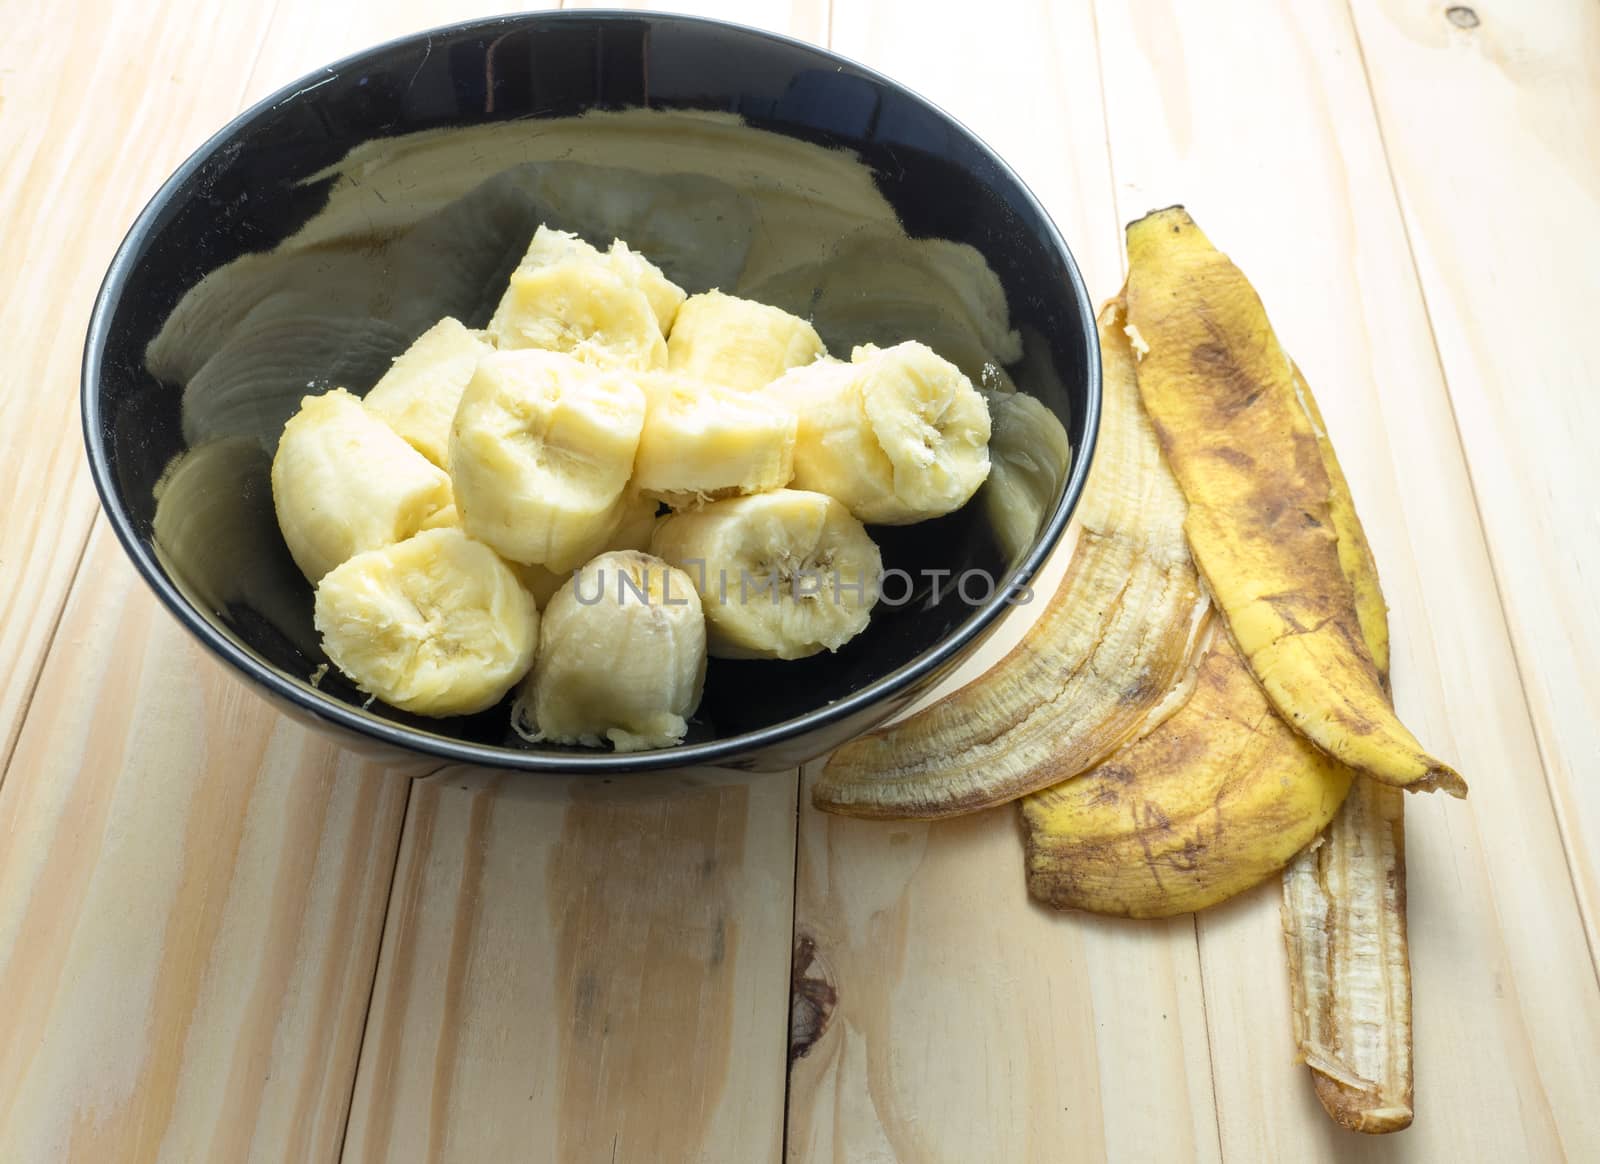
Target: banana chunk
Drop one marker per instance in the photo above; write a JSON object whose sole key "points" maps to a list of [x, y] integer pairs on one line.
{"points": [[344, 482], [583, 308], [782, 575], [556, 246], [634, 527], [418, 395], [540, 451], [739, 342], [702, 441], [622, 657], [435, 625], [898, 434]]}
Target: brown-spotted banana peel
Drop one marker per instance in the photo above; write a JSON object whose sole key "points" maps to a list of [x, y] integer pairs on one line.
{"points": [[1221, 393]]}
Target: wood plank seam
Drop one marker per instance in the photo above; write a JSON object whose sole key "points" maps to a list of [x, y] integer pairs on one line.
{"points": [[372, 982], [1563, 827], [1211, 1048], [37, 674]]}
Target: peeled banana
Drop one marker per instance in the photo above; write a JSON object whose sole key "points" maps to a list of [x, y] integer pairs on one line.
{"points": [[898, 434], [738, 342], [344, 482], [1213, 801], [634, 527], [585, 309], [702, 440], [418, 396], [622, 657], [541, 449], [1107, 660], [1259, 523], [781, 575], [436, 624], [556, 246]]}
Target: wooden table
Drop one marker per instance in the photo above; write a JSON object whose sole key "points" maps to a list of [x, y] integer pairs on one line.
{"points": [[222, 938]]}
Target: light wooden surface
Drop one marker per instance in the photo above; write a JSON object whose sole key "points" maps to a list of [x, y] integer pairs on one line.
{"points": [[222, 939]]}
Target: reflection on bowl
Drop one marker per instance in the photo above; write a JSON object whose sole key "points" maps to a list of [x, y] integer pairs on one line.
{"points": [[314, 239]]}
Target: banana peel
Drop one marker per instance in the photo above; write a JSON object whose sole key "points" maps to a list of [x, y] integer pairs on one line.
{"points": [[1110, 657], [1214, 801], [1221, 393], [1344, 900]]}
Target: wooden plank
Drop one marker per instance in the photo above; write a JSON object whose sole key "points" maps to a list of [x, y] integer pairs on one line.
{"points": [[193, 886], [1261, 123], [98, 109], [583, 970], [970, 1024], [1493, 131], [586, 970], [193, 898]]}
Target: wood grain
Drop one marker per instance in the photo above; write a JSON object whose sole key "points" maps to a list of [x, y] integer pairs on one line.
{"points": [[1493, 131], [193, 897], [583, 971], [95, 111], [970, 1024], [1260, 124], [803, 19]]}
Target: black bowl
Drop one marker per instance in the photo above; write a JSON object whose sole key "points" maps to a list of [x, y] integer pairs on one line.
{"points": [[322, 268]]}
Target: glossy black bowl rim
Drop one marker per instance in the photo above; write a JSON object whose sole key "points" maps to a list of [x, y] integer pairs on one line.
{"points": [[724, 752]]}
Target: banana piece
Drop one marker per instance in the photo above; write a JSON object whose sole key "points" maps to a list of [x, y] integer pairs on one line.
{"points": [[782, 575], [555, 246], [1109, 658], [1215, 800], [1259, 524], [418, 395], [636, 524], [1029, 455], [739, 342], [344, 482], [583, 308], [436, 625], [540, 451], [622, 657], [898, 434], [703, 441], [1344, 900]]}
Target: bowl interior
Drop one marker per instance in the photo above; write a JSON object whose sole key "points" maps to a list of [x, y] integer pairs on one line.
{"points": [[309, 243]]}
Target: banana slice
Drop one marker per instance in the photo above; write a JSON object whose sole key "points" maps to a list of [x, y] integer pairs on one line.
{"points": [[703, 440], [634, 527], [739, 342], [898, 434], [435, 625], [418, 396], [540, 451], [585, 309], [622, 657], [556, 246], [782, 575], [344, 482]]}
